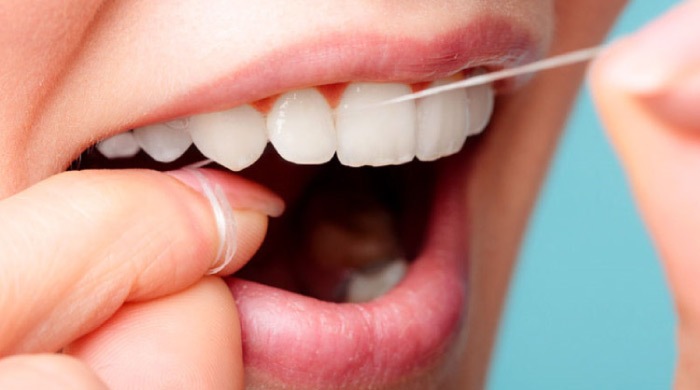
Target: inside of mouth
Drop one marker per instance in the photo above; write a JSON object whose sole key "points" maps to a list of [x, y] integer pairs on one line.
{"points": [[347, 235]]}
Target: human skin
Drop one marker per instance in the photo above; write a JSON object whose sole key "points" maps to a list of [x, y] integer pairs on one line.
{"points": [[71, 69], [653, 119]]}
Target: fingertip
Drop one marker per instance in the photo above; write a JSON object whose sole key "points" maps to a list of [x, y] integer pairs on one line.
{"points": [[658, 67], [248, 240], [241, 193], [240, 230]]}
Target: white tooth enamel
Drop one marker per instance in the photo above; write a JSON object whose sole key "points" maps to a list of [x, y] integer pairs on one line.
{"points": [[179, 124], [300, 126], [363, 286], [122, 145], [164, 142], [382, 135], [442, 122], [480, 100], [235, 138]]}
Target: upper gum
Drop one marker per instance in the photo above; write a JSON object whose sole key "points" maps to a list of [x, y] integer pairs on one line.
{"points": [[331, 92]]}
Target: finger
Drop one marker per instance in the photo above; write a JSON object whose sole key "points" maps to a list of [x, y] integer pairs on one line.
{"points": [[47, 371], [190, 340], [78, 245], [648, 92]]}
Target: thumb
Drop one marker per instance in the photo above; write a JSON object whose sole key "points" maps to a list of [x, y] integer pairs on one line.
{"points": [[647, 89], [79, 245], [47, 371]]}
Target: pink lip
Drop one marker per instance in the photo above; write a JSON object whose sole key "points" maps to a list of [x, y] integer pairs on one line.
{"points": [[340, 57], [303, 341]]}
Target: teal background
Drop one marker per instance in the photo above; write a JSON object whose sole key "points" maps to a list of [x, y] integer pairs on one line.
{"points": [[588, 306]]}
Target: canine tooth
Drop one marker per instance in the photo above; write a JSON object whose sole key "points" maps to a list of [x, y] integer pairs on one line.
{"points": [[300, 126], [122, 145], [234, 138], [163, 142], [365, 285], [380, 135], [480, 100], [442, 123]]}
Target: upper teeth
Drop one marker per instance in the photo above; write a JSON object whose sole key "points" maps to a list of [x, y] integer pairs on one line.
{"points": [[304, 128], [234, 138], [164, 142], [301, 127]]}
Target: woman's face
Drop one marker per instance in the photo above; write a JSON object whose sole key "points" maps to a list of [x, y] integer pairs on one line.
{"points": [[76, 72]]}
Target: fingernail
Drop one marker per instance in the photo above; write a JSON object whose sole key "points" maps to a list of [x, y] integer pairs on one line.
{"points": [[661, 56], [223, 215]]}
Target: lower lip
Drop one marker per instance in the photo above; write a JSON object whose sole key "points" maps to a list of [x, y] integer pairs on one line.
{"points": [[300, 341]]}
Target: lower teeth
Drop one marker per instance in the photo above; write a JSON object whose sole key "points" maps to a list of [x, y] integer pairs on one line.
{"points": [[367, 284]]}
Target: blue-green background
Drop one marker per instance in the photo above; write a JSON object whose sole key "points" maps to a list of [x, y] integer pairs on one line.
{"points": [[588, 306]]}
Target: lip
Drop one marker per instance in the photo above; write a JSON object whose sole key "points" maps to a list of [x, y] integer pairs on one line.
{"points": [[290, 340], [305, 342], [490, 41], [294, 341]]}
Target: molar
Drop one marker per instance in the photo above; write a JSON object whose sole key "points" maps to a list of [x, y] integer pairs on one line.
{"points": [[300, 126], [235, 138]]}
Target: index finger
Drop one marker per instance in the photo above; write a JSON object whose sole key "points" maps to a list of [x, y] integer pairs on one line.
{"points": [[80, 244]]}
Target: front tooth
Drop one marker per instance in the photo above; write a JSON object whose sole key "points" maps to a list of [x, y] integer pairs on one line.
{"points": [[300, 126], [480, 100], [122, 145], [164, 142], [381, 135], [235, 138], [442, 123], [365, 285]]}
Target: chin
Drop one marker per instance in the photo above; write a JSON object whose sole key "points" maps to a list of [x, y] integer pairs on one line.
{"points": [[390, 265]]}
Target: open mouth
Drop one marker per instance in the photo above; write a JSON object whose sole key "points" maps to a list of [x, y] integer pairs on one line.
{"points": [[363, 281]]}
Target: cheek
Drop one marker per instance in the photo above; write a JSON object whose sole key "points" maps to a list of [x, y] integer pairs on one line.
{"points": [[37, 39], [37, 42]]}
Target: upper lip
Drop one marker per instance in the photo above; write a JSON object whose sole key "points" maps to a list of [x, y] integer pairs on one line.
{"points": [[491, 42]]}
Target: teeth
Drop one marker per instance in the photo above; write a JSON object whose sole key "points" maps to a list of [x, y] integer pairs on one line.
{"points": [[480, 101], [300, 126], [442, 123], [365, 285], [376, 136], [164, 142], [235, 138], [305, 130], [122, 145]]}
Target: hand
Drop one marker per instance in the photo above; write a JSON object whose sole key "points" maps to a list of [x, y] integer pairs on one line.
{"points": [[110, 267], [647, 88]]}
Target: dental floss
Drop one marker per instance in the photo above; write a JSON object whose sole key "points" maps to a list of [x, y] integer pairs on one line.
{"points": [[225, 222], [557, 61], [199, 164]]}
